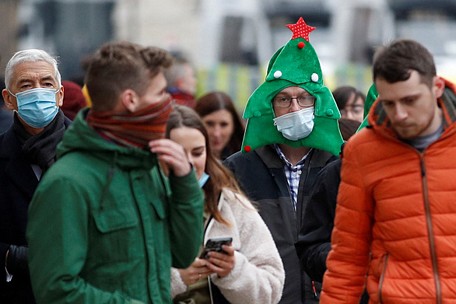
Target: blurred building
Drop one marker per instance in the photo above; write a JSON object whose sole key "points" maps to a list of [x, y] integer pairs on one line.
{"points": [[69, 29], [8, 33], [230, 42]]}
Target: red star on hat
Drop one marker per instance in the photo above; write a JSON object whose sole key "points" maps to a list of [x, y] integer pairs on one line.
{"points": [[300, 29]]}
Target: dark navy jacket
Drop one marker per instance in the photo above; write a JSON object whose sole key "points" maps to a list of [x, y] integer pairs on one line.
{"points": [[261, 176]]}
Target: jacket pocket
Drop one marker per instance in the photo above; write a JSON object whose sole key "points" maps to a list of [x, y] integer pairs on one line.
{"points": [[115, 219], [116, 237]]}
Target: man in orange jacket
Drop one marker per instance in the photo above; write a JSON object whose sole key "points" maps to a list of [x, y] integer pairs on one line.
{"points": [[394, 228]]}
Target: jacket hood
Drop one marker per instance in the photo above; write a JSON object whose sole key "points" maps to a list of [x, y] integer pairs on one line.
{"points": [[82, 138], [371, 96]]}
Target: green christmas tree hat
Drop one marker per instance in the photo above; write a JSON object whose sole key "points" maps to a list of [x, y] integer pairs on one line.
{"points": [[295, 64]]}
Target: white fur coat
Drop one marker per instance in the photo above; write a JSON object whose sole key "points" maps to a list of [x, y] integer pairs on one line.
{"points": [[258, 275]]}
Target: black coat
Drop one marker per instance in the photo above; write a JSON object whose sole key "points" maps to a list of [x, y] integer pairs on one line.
{"points": [[314, 241], [261, 176], [17, 185]]}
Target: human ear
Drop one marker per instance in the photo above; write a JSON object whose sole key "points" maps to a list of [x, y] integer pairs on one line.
{"points": [[130, 100], [9, 100], [438, 86], [60, 95]]}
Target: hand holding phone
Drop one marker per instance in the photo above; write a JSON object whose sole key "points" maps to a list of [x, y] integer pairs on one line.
{"points": [[215, 244]]}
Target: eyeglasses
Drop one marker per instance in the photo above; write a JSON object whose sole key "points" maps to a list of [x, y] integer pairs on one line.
{"points": [[284, 101], [355, 109]]}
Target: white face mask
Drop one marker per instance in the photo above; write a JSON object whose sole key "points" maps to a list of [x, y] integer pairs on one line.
{"points": [[296, 125]]}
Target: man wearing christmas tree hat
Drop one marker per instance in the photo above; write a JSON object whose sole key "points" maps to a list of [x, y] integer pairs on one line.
{"points": [[292, 132]]}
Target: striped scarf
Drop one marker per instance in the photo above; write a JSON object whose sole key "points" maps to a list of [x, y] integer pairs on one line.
{"points": [[132, 129]]}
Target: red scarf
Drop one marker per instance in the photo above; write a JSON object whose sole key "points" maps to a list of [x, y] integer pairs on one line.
{"points": [[132, 129]]}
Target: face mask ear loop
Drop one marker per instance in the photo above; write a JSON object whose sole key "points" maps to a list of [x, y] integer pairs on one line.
{"points": [[14, 95]]}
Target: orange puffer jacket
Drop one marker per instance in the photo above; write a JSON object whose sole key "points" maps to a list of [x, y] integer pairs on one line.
{"points": [[396, 217]]}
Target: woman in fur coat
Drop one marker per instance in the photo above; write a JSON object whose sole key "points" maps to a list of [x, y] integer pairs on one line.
{"points": [[249, 270]]}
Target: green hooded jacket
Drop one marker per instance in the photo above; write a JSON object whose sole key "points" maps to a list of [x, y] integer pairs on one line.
{"points": [[105, 225]]}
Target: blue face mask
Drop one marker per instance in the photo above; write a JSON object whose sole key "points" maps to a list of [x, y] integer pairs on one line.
{"points": [[203, 179], [37, 107]]}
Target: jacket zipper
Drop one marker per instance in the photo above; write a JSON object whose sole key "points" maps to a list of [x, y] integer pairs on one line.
{"points": [[430, 230], [210, 290], [382, 278]]}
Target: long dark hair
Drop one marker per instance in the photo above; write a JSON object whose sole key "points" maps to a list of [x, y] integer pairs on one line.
{"points": [[215, 101], [220, 177]]}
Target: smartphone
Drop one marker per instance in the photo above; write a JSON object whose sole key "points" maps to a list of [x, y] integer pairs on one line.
{"points": [[215, 244]]}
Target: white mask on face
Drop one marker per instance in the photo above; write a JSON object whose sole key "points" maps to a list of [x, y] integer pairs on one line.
{"points": [[296, 125]]}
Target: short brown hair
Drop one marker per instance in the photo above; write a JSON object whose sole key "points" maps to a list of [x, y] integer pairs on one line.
{"points": [[117, 66], [396, 61]]}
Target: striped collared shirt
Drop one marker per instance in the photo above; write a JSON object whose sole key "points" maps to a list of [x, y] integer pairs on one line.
{"points": [[293, 174]]}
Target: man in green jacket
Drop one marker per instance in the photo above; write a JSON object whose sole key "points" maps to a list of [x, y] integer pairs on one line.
{"points": [[122, 204]]}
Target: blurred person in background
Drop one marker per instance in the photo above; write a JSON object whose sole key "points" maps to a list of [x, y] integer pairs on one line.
{"points": [[27, 150], [350, 102], [222, 121], [250, 269], [181, 78], [74, 99], [348, 127]]}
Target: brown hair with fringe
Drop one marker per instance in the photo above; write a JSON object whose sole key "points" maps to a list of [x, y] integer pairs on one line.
{"points": [[220, 177]]}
